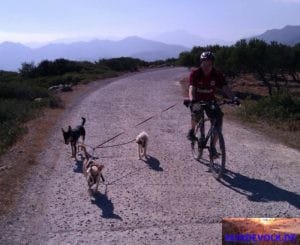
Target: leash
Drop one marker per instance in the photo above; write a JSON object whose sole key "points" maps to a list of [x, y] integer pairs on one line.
{"points": [[126, 175], [169, 108], [149, 118], [109, 140], [144, 121], [117, 144], [94, 148]]}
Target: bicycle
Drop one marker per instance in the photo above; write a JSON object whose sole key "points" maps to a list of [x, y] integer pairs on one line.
{"points": [[217, 161]]}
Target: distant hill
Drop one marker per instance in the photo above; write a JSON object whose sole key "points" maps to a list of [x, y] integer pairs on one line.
{"points": [[13, 54], [289, 35]]}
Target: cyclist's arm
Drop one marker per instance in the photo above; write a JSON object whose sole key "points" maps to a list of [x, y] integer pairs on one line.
{"points": [[192, 92]]}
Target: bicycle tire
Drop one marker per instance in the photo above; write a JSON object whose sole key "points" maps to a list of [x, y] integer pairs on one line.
{"points": [[197, 150], [217, 164]]}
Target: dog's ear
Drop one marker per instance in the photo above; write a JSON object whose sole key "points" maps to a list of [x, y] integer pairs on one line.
{"points": [[100, 168], [69, 128], [62, 130]]}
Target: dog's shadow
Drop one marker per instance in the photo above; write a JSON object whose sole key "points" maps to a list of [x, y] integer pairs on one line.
{"points": [[106, 205], [78, 168], [153, 163]]}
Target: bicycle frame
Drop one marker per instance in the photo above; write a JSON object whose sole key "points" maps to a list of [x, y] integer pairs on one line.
{"points": [[202, 141], [217, 159]]}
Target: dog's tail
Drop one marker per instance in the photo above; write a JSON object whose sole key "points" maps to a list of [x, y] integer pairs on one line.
{"points": [[83, 121]]}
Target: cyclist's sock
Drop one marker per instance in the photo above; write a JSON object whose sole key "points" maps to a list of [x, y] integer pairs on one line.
{"points": [[213, 151], [191, 134], [191, 131]]}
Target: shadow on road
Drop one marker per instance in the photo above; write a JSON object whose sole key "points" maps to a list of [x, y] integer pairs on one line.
{"points": [[206, 163], [78, 168], [153, 163], [258, 190], [106, 205]]}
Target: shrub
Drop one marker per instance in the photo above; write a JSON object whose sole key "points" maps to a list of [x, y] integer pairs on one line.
{"points": [[280, 107]]}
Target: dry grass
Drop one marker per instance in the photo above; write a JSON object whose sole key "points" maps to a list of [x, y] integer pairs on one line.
{"points": [[17, 163]]}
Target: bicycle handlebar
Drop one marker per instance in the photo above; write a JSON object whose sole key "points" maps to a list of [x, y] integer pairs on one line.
{"points": [[188, 102]]}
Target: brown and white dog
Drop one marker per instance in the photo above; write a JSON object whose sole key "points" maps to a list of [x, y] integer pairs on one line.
{"points": [[142, 141], [94, 173], [91, 170]]}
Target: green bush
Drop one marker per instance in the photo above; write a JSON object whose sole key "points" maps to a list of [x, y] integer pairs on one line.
{"points": [[17, 110], [122, 64], [9, 132], [7, 76], [54, 102], [13, 113], [279, 107], [21, 90]]}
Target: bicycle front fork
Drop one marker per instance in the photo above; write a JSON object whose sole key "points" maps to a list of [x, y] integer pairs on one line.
{"points": [[202, 134]]}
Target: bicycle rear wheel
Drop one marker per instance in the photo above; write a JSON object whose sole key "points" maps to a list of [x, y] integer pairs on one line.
{"points": [[217, 162], [197, 150]]}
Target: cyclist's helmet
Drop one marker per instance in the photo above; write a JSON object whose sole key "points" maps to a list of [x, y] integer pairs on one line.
{"points": [[207, 55]]}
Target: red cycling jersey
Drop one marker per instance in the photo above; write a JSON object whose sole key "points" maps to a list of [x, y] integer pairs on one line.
{"points": [[206, 86]]}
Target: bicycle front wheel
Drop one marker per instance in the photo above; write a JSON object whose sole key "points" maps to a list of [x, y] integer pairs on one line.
{"points": [[218, 157]]}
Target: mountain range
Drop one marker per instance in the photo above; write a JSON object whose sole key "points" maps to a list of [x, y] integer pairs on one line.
{"points": [[288, 35], [12, 55], [164, 45]]}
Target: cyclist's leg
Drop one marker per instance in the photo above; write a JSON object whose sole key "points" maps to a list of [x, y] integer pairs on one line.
{"points": [[215, 113], [195, 117]]}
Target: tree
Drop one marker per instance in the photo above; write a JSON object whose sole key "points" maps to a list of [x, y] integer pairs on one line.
{"points": [[28, 70], [186, 59]]}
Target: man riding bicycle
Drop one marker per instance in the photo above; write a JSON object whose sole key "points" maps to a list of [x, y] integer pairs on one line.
{"points": [[203, 84]]}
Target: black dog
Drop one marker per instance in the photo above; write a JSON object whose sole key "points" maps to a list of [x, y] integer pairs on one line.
{"points": [[72, 136]]}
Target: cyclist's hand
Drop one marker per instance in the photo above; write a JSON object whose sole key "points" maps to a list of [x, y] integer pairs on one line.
{"points": [[187, 103]]}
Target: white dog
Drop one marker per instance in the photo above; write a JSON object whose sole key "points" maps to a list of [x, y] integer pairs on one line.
{"points": [[142, 141]]}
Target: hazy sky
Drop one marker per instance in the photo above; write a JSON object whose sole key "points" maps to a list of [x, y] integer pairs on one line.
{"points": [[46, 20]]}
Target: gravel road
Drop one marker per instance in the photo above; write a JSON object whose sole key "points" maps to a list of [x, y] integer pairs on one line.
{"points": [[169, 199]]}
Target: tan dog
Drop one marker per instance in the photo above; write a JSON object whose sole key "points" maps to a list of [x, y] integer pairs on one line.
{"points": [[94, 173], [87, 158], [142, 141], [91, 170]]}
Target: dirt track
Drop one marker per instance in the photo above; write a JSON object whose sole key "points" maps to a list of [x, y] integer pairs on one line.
{"points": [[171, 199]]}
